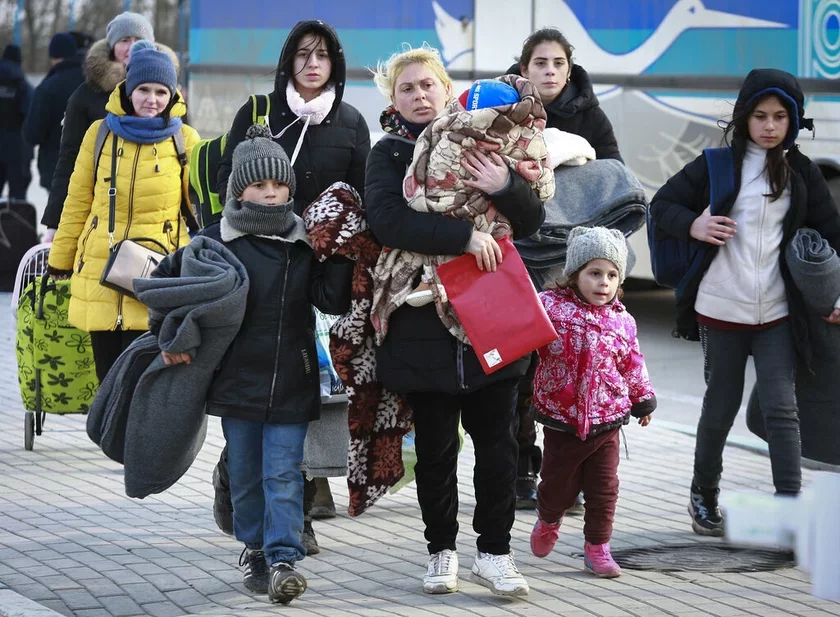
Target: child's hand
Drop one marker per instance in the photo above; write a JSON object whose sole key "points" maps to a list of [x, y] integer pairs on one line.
{"points": [[170, 359], [712, 229], [645, 420], [834, 317]]}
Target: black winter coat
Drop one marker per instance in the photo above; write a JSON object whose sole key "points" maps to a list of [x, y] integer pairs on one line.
{"points": [[684, 197], [333, 151], [15, 99], [419, 354], [43, 122], [270, 372], [576, 110]]}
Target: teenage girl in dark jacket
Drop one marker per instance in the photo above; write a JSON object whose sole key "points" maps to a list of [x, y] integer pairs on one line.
{"points": [[742, 300]]}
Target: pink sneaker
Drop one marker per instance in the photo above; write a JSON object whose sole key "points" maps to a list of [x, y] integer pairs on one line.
{"points": [[544, 537], [598, 561]]}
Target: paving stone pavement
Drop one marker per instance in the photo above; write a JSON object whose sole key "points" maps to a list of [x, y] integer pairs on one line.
{"points": [[71, 540]]}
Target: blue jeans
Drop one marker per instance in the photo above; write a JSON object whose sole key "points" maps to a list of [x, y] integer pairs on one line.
{"points": [[266, 486]]}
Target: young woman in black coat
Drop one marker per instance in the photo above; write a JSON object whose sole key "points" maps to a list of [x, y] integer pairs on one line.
{"points": [[571, 106], [441, 377], [328, 141]]}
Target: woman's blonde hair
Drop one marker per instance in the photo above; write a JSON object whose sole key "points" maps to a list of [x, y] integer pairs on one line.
{"points": [[386, 74]]}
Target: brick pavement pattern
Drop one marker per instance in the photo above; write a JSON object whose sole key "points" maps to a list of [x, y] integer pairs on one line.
{"points": [[73, 542]]}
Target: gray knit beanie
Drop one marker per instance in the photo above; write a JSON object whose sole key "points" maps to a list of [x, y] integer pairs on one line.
{"points": [[128, 24], [147, 65], [587, 243], [259, 158]]}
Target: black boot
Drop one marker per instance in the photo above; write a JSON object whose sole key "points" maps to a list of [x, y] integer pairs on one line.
{"points": [[530, 461], [706, 519], [222, 505], [307, 538]]}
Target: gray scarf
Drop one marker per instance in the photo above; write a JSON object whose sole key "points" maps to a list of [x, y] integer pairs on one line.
{"points": [[258, 220]]}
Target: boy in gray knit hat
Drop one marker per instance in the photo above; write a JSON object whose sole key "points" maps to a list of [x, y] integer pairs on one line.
{"points": [[267, 389]]}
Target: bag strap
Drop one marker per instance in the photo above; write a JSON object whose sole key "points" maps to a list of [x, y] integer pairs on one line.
{"points": [[186, 210], [112, 192], [101, 136], [260, 108], [721, 166]]}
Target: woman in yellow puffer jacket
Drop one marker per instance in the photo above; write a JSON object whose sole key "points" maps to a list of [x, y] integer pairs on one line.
{"points": [[144, 112]]}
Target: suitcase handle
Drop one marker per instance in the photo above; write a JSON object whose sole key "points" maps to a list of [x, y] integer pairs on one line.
{"points": [[39, 313]]}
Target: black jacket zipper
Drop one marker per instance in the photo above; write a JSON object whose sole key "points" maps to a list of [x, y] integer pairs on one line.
{"points": [[279, 330]]}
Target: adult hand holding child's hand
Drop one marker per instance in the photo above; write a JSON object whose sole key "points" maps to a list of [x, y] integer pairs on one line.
{"points": [[713, 229]]}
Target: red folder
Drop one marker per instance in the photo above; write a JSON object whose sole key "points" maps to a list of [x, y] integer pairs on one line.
{"points": [[500, 311]]}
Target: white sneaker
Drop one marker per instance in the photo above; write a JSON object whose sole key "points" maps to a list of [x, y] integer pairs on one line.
{"points": [[499, 574], [442, 573]]}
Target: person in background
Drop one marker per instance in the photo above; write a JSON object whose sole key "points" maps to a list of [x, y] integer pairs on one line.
{"points": [[571, 106], [15, 98], [42, 126], [103, 68]]}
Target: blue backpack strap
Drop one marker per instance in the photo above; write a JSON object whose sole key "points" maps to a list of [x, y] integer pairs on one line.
{"points": [[721, 166], [721, 176]]}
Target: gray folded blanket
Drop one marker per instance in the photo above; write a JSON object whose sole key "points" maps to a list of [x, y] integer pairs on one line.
{"points": [[158, 417], [601, 193], [815, 269]]}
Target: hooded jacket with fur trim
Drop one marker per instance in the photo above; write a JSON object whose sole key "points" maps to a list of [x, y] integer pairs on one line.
{"points": [[335, 150], [86, 105], [149, 192]]}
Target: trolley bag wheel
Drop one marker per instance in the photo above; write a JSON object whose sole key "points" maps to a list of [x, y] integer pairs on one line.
{"points": [[28, 430]]}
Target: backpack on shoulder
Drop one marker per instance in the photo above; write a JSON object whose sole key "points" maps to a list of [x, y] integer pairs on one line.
{"points": [[675, 261], [204, 168]]}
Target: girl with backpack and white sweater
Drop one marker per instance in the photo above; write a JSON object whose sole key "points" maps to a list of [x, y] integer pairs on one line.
{"points": [[742, 300]]}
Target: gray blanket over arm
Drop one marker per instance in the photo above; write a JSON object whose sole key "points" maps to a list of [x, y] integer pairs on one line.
{"points": [[199, 312], [815, 269], [601, 193]]}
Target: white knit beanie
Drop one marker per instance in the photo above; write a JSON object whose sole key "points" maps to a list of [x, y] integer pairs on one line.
{"points": [[587, 243]]}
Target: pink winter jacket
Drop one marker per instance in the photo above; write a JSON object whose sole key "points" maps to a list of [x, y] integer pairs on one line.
{"points": [[593, 375]]}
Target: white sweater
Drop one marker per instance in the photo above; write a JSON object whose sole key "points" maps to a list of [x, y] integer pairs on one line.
{"points": [[744, 282]]}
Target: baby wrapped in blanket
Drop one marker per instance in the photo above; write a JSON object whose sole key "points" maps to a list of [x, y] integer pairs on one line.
{"points": [[504, 116]]}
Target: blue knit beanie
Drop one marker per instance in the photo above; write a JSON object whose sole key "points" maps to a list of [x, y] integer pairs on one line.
{"points": [[62, 45], [490, 93], [148, 65]]}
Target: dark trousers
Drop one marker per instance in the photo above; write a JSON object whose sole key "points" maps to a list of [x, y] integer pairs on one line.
{"points": [[725, 354], [488, 417], [570, 466], [526, 426], [107, 347], [18, 175]]}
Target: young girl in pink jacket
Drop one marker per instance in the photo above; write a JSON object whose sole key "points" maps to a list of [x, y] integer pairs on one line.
{"points": [[588, 383]]}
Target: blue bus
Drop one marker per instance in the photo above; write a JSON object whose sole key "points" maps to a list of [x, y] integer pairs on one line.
{"points": [[665, 71]]}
